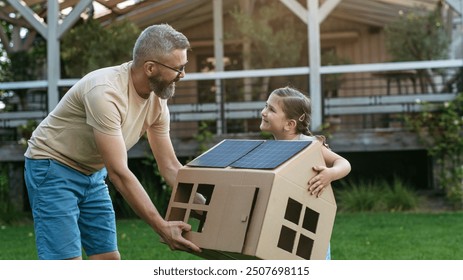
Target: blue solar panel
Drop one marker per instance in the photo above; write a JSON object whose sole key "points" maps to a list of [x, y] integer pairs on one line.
{"points": [[253, 154], [225, 153], [271, 154]]}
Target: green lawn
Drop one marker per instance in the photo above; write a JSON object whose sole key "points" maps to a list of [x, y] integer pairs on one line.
{"points": [[398, 236], [358, 236]]}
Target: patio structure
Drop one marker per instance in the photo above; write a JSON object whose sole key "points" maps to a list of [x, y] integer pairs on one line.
{"points": [[364, 111]]}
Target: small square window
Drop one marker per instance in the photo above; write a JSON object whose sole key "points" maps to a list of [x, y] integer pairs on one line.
{"points": [[177, 214], [206, 190], [286, 240], [183, 193], [310, 220], [293, 211], [304, 248], [197, 220]]}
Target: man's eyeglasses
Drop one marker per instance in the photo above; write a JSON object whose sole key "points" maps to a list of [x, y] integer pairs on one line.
{"points": [[179, 71]]}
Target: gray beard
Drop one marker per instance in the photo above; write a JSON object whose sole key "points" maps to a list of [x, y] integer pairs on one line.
{"points": [[161, 88]]}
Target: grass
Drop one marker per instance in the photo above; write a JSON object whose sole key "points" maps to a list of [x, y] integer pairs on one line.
{"points": [[139, 242], [135, 239], [17, 242], [356, 236], [398, 236]]}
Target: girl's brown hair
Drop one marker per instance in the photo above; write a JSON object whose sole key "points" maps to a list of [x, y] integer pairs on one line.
{"points": [[296, 106]]}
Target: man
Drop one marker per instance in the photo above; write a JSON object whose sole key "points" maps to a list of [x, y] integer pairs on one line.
{"points": [[87, 136]]}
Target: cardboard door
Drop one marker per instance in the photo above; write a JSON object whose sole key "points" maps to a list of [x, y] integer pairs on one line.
{"points": [[227, 219]]}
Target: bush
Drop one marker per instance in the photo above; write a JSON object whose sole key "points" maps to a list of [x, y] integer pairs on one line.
{"points": [[8, 212], [376, 195], [399, 197], [147, 173], [357, 197], [4, 191], [440, 129]]}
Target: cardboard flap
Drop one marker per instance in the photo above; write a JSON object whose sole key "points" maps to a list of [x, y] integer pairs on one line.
{"points": [[237, 208]]}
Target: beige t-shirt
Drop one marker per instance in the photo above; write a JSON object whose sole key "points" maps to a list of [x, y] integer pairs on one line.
{"points": [[106, 100]]}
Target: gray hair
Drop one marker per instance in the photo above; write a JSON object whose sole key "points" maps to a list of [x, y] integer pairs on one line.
{"points": [[157, 41]]}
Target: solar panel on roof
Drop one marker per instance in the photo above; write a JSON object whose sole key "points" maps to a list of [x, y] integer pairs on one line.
{"points": [[270, 154], [225, 153], [253, 154]]}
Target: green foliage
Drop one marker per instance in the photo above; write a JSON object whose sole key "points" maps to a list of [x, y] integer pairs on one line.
{"points": [[399, 197], [148, 174], [440, 129], [155, 185], [331, 58], [4, 190], [275, 35], [90, 46], [17, 242], [418, 36], [377, 195], [22, 65], [397, 236], [361, 197], [4, 64], [266, 135], [8, 212], [332, 82], [25, 130], [356, 236], [137, 241], [204, 137], [25, 65]]}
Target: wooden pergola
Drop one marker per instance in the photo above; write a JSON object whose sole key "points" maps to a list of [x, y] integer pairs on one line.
{"points": [[53, 18]]}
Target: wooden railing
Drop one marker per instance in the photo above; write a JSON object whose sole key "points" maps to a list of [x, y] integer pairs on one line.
{"points": [[362, 93], [382, 104]]}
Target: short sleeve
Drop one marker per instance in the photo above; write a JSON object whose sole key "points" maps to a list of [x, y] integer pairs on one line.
{"points": [[103, 110], [161, 126]]}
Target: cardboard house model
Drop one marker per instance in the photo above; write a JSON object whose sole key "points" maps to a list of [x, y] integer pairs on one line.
{"points": [[257, 201]]}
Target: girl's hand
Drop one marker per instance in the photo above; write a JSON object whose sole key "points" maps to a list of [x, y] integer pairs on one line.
{"points": [[318, 183]]}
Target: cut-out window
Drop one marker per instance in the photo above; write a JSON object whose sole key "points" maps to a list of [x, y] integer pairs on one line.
{"points": [[197, 220], [183, 193], [304, 247], [288, 236], [286, 240], [293, 211], [206, 190], [310, 220], [177, 214]]}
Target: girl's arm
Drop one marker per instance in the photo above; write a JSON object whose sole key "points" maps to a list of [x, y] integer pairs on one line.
{"points": [[336, 168]]}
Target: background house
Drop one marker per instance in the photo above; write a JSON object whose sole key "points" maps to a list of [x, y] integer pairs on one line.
{"points": [[343, 64]]}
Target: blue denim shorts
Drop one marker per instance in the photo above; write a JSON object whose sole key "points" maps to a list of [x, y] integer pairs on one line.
{"points": [[71, 210]]}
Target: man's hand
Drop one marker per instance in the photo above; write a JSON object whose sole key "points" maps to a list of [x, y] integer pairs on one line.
{"points": [[171, 232]]}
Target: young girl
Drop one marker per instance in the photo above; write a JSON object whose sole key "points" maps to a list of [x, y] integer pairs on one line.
{"points": [[287, 115]]}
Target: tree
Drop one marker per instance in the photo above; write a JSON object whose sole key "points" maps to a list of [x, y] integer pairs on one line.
{"points": [[25, 56], [419, 36], [425, 36], [90, 46], [274, 37]]}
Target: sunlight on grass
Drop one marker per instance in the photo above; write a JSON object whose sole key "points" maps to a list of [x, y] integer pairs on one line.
{"points": [[397, 236], [137, 241], [356, 236]]}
